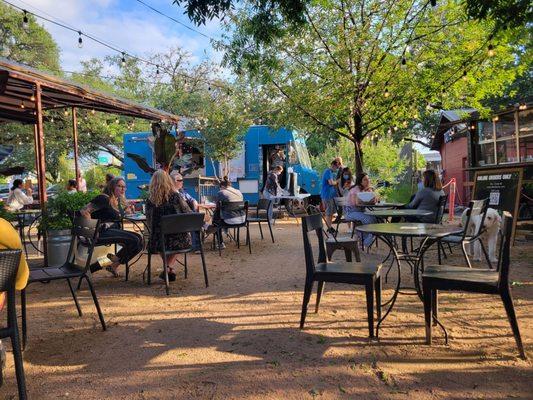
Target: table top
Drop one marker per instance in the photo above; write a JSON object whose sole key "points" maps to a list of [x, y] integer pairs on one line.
{"points": [[26, 211], [135, 217], [399, 213], [384, 205], [410, 229], [298, 196]]}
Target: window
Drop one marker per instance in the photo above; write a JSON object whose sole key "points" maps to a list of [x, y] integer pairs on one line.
{"points": [[505, 126], [485, 148], [303, 155], [525, 129]]}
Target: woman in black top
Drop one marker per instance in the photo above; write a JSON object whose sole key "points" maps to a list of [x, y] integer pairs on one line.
{"points": [[164, 200], [109, 207]]}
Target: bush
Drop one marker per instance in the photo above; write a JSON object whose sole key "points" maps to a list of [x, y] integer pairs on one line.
{"points": [[61, 209], [4, 213], [399, 193]]}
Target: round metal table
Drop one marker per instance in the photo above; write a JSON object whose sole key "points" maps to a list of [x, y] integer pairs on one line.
{"points": [[384, 205], [21, 222], [407, 212], [387, 232]]}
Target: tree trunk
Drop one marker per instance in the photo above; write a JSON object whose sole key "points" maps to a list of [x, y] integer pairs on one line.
{"points": [[358, 157]]}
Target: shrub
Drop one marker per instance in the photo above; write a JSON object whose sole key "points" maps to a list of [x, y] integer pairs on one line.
{"points": [[60, 209]]}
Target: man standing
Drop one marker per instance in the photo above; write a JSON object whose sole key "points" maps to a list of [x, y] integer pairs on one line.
{"points": [[328, 192]]}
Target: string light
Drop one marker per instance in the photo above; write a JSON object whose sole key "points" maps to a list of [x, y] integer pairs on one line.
{"points": [[464, 75], [386, 94], [496, 118], [433, 3], [117, 121], [491, 50], [157, 70], [22, 105], [472, 126], [52, 119], [80, 40], [65, 113], [522, 107], [404, 61], [123, 60], [93, 112], [32, 98], [25, 21]]}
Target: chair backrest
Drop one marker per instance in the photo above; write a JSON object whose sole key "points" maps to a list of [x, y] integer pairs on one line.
{"points": [[263, 204], [84, 232], [181, 223], [234, 206], [504, 252], [339, 201], [441, 205], [9, 264], [313, 223], [475, 208]]}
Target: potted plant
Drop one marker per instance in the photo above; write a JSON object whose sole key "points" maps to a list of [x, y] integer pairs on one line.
{"points": [[57, 223], [4, 213]]}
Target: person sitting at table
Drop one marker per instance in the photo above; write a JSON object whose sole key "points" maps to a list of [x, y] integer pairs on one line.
{"points": [[17, 199], [354, 209], [71, 186], [164, 200], [109, 207], [226, 194], [427, 198]]}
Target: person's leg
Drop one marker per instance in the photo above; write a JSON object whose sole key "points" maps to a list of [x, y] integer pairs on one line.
{"points": [[330, 211], [130, 243]]}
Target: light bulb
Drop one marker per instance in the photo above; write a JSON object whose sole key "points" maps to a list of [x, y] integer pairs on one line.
{"points": [[123, 60], [464, 75], [157, 70], [22, 105], [404, 61], [491, 50], [65, 113], [25, 21], [117, 121], [386, 94], [80, 40], [93, 112], [32, 98], [52, 119]]}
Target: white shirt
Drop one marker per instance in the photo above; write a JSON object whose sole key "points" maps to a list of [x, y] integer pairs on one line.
{"points": [[82, 185], [17, 200]]}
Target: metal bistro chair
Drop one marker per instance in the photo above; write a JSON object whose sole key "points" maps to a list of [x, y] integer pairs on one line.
{"points": [[233, 206], [475, 208], [9, 263], [439, 214], [181, 223], [262, 215], [338, 272], [84, 233], [340, 202], [487, 281]]}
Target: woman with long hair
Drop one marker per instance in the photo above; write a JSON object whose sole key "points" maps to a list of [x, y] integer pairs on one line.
{"points": [[17, 198], [355, 210], [428, 197], [109, 207], [164, 200]]}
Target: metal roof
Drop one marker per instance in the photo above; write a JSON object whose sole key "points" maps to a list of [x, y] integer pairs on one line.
{"points": [[451, 120], [17, 87]]}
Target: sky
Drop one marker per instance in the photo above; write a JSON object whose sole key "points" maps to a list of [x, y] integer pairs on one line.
{"points": [[125, 24]]}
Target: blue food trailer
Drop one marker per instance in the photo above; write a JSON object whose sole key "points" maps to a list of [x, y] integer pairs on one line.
{"points": [[248, 170]]}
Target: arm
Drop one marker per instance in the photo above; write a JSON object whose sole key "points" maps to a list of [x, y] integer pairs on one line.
{"points": [[416, 201], [22, 198], [87, 210]]}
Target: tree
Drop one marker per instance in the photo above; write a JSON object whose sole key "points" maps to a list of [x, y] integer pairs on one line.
{"points": [[363, 69], [506, 13]]}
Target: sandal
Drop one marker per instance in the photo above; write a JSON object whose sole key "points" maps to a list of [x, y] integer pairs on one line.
{"points": [[171, 276], [112, 271]]}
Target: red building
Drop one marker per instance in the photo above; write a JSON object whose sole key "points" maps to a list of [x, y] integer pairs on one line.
{"points": [[451, 141]]}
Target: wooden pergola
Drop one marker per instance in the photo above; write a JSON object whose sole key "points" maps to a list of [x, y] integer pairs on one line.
{"points": [[25, 93]]}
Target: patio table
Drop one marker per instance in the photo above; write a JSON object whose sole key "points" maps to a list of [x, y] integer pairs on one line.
{"points": [[288, 203], [408, 212], [429, 233], [21, 217]]}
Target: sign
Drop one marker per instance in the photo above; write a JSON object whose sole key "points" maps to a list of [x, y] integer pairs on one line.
{"points": [[502, 188]]}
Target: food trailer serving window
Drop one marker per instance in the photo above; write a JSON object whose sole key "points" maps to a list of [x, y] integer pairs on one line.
{"points": [[485, 146], [525, 130]]}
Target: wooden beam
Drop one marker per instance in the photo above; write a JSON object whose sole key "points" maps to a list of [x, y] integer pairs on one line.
{"points": [[40, 154]]}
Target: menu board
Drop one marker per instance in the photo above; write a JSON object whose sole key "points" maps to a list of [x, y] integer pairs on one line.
{"points": [[501, 187]]}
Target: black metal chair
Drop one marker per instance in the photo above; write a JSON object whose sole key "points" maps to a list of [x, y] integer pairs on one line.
{"points": [[487, 281], [233, 206], [177, 224], [84, 234], [9, 263], [262, 215], [337, 272], [476, 208], [439, 214]]}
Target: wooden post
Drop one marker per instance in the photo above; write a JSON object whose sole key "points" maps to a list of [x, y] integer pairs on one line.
{"points": [[35, 141], [75, 137], [39, 153]]}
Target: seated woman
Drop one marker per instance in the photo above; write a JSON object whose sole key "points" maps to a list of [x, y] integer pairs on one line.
{"points": [[230, 217], [428, 197], [109, 207], [164, 200], [354, 209], [72, 186], [17, 198]]}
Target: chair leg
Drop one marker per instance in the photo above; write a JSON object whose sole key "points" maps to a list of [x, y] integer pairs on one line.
{"points": [[270, 228], [78, 287], [463, 248], [509, 309], [15, 343], [377, 288], [369, 288], [329, 251], [185, 265], [439, 254], [23, 316], [427, 312], [319, 292], [73, 293], [127, 275], [248, 239], [450, 248], [443, 251], [203, 265], [219, 241], [96, 304], [485, 253], [149, 269], [348, 254], [307, 295], [165, 272], [238, 237], [435, 306], [260, 230], [357, 253]]}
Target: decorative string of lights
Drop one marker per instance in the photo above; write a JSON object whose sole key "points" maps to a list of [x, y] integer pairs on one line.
{"points": [[124, 54]]}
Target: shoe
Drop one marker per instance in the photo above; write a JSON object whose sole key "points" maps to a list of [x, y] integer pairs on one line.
{"points": [[221, 246], [112, 272], [332, 231], [171, 276]]}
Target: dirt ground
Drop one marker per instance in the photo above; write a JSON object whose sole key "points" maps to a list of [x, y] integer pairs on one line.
{"points": [[239, 338]]}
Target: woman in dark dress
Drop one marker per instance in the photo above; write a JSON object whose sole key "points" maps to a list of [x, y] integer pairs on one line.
{"points": [[109, 207], [163, 200]]}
